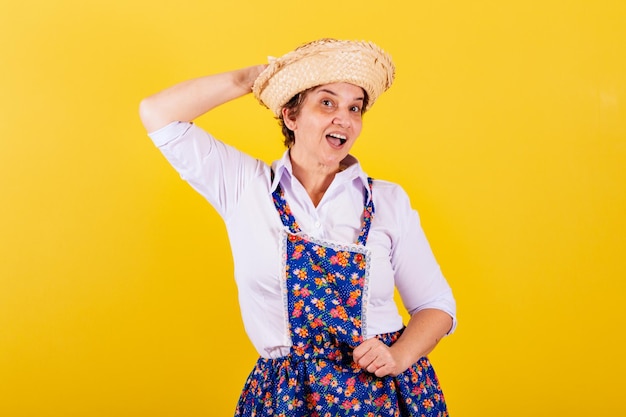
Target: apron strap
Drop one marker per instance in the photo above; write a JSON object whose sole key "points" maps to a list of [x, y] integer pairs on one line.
{"points": [[368, 214], [288, 220]]}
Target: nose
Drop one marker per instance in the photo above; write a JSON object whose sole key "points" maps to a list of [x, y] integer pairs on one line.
{"points": [[342, 118]]}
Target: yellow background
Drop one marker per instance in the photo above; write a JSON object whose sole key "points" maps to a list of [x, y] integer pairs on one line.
{"points": [[506, 125]]}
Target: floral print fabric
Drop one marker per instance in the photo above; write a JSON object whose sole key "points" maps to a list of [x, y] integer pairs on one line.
{"points": [[325, 286]]}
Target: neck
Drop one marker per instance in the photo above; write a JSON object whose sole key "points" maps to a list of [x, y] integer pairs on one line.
{"points": [[315, 179]]}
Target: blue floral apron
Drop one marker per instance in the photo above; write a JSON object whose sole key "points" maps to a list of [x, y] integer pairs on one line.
{"points": [[325, 286]]}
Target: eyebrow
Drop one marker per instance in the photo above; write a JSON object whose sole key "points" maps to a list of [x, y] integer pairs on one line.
{"points": [[325, 90]]}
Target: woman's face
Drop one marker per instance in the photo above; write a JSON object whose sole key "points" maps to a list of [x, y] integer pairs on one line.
{"points": [[328, 124]]}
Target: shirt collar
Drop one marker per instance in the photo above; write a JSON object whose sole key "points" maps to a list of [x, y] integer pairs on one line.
{"points": [[352, 172], [280, 168]]}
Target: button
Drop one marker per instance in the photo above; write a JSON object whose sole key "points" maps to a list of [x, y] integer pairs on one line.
{"points": [[318, 224]]}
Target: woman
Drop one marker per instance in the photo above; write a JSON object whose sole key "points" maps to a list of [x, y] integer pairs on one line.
{"points": [[317, 245]]}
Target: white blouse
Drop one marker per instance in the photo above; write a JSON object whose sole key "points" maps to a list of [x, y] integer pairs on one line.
{"points": [[239, 187]]}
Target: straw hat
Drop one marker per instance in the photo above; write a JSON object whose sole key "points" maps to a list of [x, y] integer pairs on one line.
{"points": [[321, 62]]}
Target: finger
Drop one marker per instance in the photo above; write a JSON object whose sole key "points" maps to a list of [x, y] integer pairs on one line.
{"points": [[390, 367], [384, 371], [371, 361], [381, 360], [359, 352], [363, 349], [367, 362], [374, 366]]}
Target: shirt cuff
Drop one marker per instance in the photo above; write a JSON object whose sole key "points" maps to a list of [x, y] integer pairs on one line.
{"points": [[169, 132], [442, 306]]}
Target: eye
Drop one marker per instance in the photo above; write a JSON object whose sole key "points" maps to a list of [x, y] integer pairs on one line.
{"points": [[327, 103], [355, 109]]}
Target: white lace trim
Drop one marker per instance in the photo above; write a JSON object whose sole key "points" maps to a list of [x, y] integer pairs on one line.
{"points": [[283, 236]]}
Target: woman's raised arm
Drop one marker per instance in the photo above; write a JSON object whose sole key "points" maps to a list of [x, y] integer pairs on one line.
{"points": [[190, 99]]}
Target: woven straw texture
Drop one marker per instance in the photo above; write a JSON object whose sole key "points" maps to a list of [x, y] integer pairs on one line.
{"points": [[322, 62]]}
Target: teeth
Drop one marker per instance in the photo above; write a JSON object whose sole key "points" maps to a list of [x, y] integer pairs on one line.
{"points": [[338, 136]]}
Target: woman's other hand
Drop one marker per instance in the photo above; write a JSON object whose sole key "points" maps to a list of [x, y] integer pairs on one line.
{"points": [[379, 359]]}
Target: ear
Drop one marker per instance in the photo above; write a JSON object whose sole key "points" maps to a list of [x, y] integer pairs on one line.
{"points": [[289, 121]]}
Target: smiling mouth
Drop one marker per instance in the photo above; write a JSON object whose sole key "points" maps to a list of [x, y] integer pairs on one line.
{"points": [[336, 139]]}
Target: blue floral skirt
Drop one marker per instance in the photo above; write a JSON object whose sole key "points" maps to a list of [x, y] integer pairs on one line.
{"points": [[322, 387]]}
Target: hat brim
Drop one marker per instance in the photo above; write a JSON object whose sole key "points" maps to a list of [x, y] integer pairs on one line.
{"points": [[322, 62]]}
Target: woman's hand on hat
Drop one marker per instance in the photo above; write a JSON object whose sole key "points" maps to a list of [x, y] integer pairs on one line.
{"points": [[377, 358], [247, 76]]}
